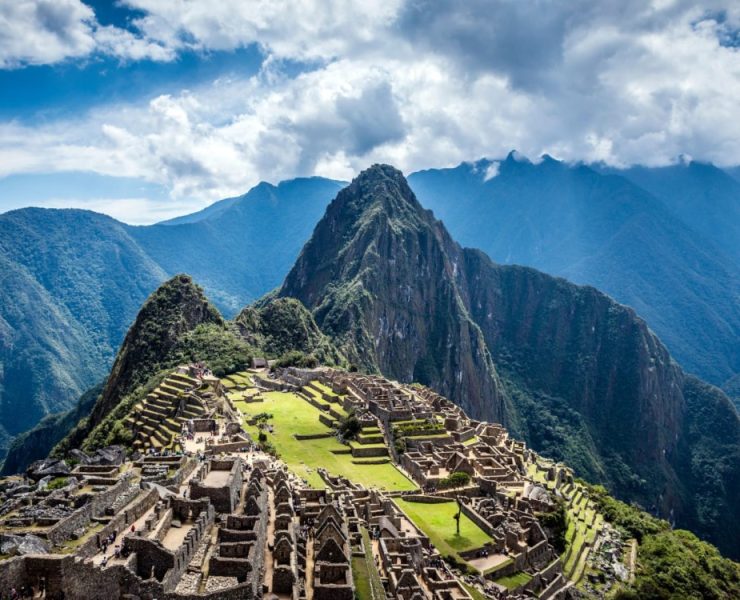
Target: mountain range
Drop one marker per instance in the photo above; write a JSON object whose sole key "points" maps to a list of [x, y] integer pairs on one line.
{"points": [[73, 280], [664, 241], [381, 286]]}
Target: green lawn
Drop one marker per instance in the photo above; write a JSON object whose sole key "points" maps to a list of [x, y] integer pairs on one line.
{"points": [[474, 591], [293, 415], [367, 579], [323, 388], [515, 580], [437, 521]]}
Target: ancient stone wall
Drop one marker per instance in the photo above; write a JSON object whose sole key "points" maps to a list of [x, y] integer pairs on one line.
{"points": [[79, 519], [121, 521]]}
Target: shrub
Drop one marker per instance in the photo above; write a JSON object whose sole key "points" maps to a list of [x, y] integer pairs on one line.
{"points": [[349, 427], [454, 480], [57, 483], [556, 525], [296, 358]]}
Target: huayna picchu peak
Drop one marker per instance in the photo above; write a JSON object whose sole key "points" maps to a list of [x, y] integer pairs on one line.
{"points": [[402, 419], [576, 374]]}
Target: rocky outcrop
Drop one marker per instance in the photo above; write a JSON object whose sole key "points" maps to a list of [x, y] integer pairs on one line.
{"points": [[380, 277], [283, 325], [580, 376], [175, 309]]}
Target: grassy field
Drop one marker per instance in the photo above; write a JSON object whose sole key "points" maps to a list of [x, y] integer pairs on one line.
{"points": [[515, 580], [293, 415], [437, 521], [474, 592], [365, 572]]}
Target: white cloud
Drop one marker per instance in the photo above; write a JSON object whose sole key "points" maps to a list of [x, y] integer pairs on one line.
{"points": [[491, 171], [413, 85], [40, 32], [134, 211]]}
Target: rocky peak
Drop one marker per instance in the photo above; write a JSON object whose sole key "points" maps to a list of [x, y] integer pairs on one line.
{"points": [[581, 377], [379, 276]]}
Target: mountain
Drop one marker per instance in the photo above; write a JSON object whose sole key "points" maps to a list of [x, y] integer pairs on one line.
{"points": [[604, 230], [70, 282], [176, 309], [210, 211], [36, 443], [579, 376], [178, 325], [240, 252], [703, 196]]}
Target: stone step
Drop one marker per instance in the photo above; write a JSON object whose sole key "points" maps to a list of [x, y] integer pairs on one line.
{"points": [[147, 420], [173, 428], [178, 384], [169, 389], [165, 394], [184, 378], [194, 402], [161, 435], [161, 403], [154, 413]]}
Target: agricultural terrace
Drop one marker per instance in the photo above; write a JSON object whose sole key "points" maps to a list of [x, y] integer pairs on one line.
{"points": [[291, 416], [584, 523], [437, 521]]}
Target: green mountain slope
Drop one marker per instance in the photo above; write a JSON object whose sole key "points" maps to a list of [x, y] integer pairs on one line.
{"points": [[177, 325], [575, 373], [243, 251], [71, 280], [603, 230]]}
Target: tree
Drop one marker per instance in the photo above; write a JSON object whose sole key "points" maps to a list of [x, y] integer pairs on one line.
{"points": [[349, 427], [458, 515]]}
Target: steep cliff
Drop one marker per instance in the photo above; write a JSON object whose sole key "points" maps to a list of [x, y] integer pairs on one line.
{"points": [[581, 377], [380, 277]]}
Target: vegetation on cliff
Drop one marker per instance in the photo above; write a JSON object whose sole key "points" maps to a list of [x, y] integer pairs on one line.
{"points": [[579, 376], [279, 326], [670, 563]]}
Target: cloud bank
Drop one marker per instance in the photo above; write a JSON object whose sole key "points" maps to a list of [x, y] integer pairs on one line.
{"points": [[414, 83]]}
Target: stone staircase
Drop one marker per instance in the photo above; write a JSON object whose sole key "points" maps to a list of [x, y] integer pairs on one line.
{"points": [[158, 419]]}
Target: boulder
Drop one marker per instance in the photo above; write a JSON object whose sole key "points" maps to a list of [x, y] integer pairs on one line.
{"points": [[15, 545], [48, 466]]}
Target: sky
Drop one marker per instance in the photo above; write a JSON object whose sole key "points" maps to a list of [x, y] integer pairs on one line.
{"points": [[146, 109]]}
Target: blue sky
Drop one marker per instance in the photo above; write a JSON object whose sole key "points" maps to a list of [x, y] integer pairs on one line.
{"points": [[145, 109]]}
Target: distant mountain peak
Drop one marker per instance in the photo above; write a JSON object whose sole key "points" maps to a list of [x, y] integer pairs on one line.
{"points": [[517, 157]]}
